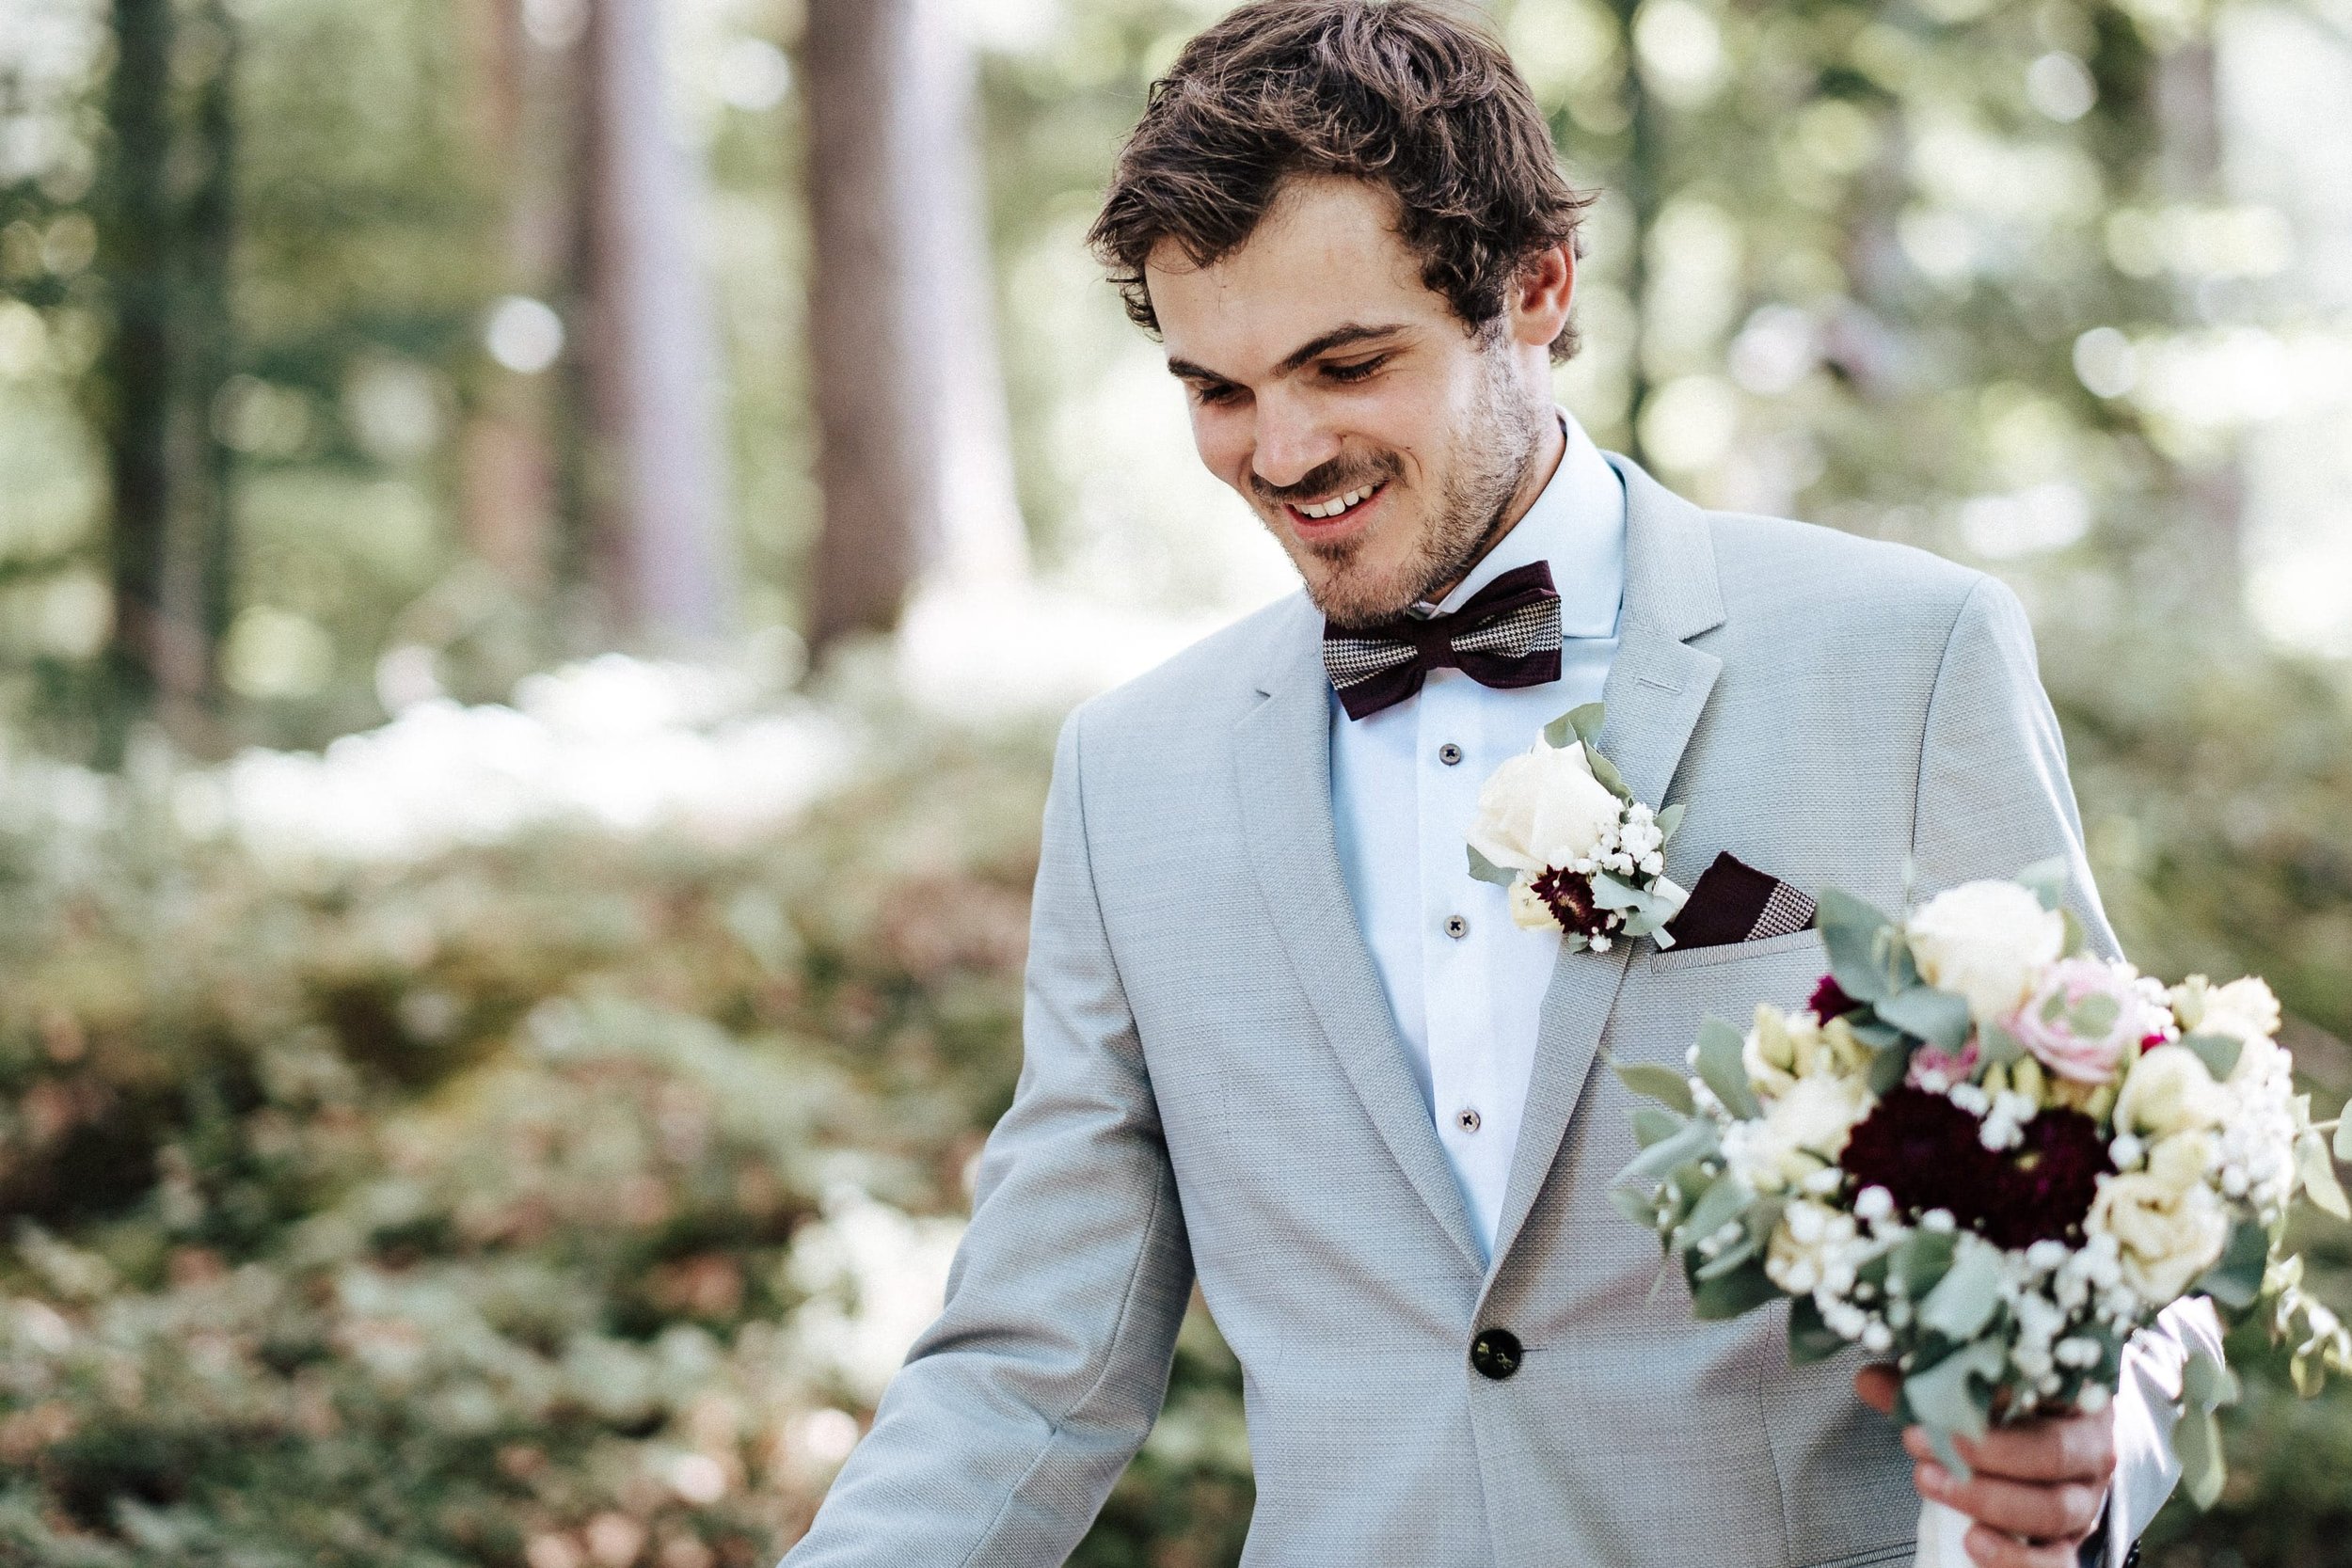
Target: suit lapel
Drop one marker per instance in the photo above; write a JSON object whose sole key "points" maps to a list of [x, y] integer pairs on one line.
{"points": [[1657, 686], [1282, 759]]}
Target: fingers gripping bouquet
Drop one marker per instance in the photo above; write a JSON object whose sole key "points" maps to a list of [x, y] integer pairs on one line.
{"points": [[1988, 1157]]}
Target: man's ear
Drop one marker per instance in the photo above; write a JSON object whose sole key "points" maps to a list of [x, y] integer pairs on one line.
{"points": [[1541, 295]]}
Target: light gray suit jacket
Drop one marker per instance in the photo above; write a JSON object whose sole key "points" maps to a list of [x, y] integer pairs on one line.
{"points": [[1213, 1083]]}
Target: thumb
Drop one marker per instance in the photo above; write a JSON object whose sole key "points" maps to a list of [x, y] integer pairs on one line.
{"points": [[1878, 1386]]}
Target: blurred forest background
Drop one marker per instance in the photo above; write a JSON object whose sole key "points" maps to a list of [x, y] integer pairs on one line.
{"points": [[542, 543]]}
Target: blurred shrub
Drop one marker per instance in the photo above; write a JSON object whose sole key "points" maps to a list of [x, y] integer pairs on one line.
{"points": [[561, 1203]]}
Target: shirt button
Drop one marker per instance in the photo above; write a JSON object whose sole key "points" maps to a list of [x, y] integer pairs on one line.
{"points": [[1456, 927], [1449, 754], [1466, 1118]]}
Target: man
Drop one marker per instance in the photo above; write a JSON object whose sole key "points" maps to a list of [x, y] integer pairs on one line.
{"points": [[1277, 1035]]}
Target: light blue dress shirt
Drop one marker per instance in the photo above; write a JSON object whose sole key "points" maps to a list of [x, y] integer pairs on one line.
{"points": [[1466, 983]]}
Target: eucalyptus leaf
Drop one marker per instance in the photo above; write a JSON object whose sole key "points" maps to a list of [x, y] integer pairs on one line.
{"points": [[2074, 939], [1937, 1016], [2235, 1281], [1606, 773], [2207, 1381], [2197, 1444], [1668, 820], [1965, 1299], [1560, 735], [1635, 1205], [2220, 1052], [1948, 1401], [1921, 1260], [2318, 1173], [1721, 1204], [1852, 931], [1723, 1068], [1696, 1140], [1810, 1340], [1661, 1084], [1997, 1045], [2046, 880], [1890, 1067], [1654, 1125], [1732, 1257], [1613, 892], [1585, 722], [1871, 1032], [1487, 870], [1729, 1295]]}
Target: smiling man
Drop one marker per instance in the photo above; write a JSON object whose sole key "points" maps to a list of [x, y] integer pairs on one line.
{"points": [[1279, 1042]]}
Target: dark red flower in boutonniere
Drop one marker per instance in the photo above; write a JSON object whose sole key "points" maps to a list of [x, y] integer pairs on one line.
{"points": [[1568, 895], [1830, 1000]]}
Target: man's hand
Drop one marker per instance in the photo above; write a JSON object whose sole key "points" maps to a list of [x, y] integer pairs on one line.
{"points": [[2038, 1487]]}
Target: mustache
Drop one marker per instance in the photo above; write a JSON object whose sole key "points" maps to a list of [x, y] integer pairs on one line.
{"points": [[1327, 479]]}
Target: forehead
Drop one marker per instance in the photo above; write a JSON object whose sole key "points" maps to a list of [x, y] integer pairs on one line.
{"points": [[1327, 253]]}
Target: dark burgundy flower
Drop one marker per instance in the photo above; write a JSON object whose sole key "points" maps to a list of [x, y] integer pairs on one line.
{"points": [[1926, 1153], [1830, 1000], [1569, 897], [2048, 1181], [1929, 1153]]}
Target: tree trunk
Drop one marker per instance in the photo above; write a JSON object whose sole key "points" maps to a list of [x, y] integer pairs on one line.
{"points": [[649, 348], [914, 455], [877, 422], [167, 265]]}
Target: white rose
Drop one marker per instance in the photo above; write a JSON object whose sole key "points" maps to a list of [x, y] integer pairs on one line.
{"points": [[1987, 942], [1801, 1132], [2167, 1238], [2246, 1008], [2181, 1161], [1528, 909], [1543, 809], [2168, 1091]]}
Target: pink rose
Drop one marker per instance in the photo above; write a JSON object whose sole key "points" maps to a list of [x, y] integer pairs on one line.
{"points": [[2080, 1016], [1936, 1069]]}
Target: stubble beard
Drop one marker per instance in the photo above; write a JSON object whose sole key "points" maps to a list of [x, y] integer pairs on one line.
{"points": [[1491, 459]]}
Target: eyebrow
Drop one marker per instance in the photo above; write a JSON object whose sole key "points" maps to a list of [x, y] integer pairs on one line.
{"points": [[1338, 337]]}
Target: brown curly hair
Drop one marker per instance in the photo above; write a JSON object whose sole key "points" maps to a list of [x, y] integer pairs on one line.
{"points": [[1411, 95]]}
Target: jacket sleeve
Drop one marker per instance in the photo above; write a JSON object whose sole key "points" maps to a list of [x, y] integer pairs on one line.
{"points": [[1994, 797], [1018, 1409]]}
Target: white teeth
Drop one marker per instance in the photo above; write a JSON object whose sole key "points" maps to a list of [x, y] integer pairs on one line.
{"points": [[1336, 504]]}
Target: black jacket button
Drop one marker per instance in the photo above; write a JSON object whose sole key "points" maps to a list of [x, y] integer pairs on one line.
{"points": [[1495, 1353]]}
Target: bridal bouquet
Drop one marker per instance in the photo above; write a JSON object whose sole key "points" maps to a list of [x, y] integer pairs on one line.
{"points": [[1988, 1157]]}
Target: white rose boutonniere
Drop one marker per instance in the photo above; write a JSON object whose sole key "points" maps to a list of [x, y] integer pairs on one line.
{"points": [[1558, 826]]}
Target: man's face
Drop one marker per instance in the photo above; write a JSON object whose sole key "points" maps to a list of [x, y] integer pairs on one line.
{"points": [[1383, 443]]}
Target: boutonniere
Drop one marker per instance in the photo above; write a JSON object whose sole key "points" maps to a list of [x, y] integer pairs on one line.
{"points": [[1558, 826]]}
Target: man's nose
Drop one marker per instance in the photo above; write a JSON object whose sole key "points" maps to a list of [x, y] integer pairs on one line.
{"points": [[1291, 443]]}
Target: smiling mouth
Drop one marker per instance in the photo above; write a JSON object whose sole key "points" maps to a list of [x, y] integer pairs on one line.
{"points": [[1336, 507]]}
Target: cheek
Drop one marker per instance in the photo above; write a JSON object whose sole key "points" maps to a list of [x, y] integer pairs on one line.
{"points": [[1221, 438]]}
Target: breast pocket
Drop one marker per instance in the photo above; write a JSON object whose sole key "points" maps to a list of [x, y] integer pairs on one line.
{"points": [[1667, 996]]}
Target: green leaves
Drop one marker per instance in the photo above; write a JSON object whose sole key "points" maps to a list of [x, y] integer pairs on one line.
{"points": [[1695, 1139], [1487, 870], [2206, 1386], [1964, 1300], [2046, 880], [2236, 1281], [1921, 1260], [1955, 1397], [1938, 1017], [2220, 1052], [2318, 1174], [1721, 1203], [1857, 938], [1810, 1340], [1661, 1084], [1729, 1295], [1723, 1068]]}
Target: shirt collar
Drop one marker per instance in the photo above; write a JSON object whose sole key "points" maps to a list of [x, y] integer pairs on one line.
{"points": [[1577, 523]]}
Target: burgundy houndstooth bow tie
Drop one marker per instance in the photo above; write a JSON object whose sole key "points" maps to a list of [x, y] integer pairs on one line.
{"points": [[1507, 634]]}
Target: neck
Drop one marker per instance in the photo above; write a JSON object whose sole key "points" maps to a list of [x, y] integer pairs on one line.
{"points": [[1551, 446]]}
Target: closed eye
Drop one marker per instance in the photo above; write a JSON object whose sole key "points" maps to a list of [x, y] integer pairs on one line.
{"points": [[1214, 393], [1360, 370]]}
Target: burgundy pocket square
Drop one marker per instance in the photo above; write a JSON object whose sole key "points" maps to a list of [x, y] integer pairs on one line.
{"points": [[1734, 902]]}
